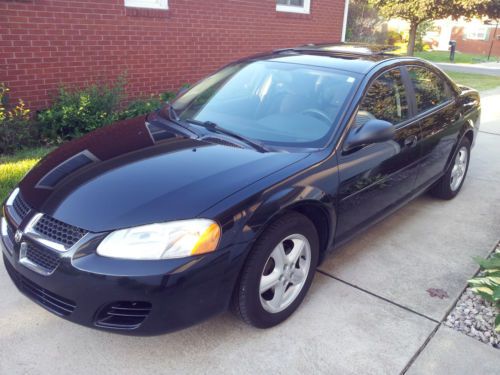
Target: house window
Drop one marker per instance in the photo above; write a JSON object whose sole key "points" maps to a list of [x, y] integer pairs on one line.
{"points": [[152, 4], [294, 6], [476, 33]]}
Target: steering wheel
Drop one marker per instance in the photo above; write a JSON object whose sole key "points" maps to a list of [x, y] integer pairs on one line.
{"points": [[316, 113]]}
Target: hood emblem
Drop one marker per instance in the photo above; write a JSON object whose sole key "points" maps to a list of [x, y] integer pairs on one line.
{"points": [[18, 236]]}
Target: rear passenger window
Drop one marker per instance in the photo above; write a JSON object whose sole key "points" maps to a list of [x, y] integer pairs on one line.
{"points": [[384, 100], [430, 89]]}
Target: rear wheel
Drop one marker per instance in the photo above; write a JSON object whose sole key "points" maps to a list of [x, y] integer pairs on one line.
{"points": [[450, 184], [278, 272]]}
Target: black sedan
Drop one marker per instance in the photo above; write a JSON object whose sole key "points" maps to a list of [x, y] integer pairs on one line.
{"points": [[231, 195]]}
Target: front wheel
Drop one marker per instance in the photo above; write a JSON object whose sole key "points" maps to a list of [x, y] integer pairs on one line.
{"points": [[278, 272], [450, 184]]}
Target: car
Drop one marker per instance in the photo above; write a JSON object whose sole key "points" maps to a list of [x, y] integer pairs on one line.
{"points": [[231, 195]]}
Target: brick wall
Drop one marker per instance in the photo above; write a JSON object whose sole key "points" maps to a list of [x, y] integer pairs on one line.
{"points": [[48, 43], [479, 47]]}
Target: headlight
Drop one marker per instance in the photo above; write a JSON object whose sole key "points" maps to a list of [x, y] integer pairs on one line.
{"points": [[176, 239]]}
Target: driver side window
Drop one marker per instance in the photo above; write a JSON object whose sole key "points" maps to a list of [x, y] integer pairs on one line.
{"points": [[384, 100]]}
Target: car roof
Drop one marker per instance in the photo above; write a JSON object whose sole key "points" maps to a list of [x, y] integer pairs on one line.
{"points": [[357, 58]]}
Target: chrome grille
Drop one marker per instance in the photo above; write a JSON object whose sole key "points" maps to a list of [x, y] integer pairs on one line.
{"points": [[20, 206], [10, 232], [44, 258], [58, 231]]}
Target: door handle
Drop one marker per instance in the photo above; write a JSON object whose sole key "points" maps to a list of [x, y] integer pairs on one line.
{"points": [[411, 141]]}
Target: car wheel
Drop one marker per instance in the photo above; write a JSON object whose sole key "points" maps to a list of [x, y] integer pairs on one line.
{"points": [[450, 184], [278, 272]]}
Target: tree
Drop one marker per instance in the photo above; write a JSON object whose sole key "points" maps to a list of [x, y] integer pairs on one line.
{"points": [[418, 11], [362, 20]]}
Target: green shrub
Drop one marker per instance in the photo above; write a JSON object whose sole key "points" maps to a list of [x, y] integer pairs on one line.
{"points": [[76, 112], [393, 37], [140, 107], [16, 128], [487, 285], [144, 106], [169, 95]]}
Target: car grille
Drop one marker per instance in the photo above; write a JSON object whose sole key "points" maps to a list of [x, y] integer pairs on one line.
{"points": [[9, 238], [20, 206], [123, 315], [49, 300], [44, 258], [10, 232], [58, 231]]}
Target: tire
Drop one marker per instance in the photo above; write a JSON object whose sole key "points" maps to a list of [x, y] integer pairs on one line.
{"points": [[447, 187], [265, 263]]}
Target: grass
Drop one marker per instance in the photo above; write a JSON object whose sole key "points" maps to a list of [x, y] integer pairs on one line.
{"points": [[14, 167], [480, 82], [460, 58], [444, 56]]}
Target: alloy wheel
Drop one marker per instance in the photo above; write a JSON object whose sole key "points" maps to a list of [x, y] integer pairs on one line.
{"points": [[285, 273], [459, 168]]}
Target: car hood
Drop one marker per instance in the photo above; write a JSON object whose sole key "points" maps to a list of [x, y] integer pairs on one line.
{"points": [[133, 173]]}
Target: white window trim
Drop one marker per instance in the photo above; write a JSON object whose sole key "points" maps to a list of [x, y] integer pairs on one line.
{"points": [[305, 9], [476, 33], [150, 4]]}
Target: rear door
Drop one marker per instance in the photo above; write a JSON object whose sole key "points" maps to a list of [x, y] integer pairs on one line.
{"points": [[375, 178], [439, 119]]}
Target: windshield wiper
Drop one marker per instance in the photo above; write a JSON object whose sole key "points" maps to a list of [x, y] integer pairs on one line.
{"points": [[212, 126]]}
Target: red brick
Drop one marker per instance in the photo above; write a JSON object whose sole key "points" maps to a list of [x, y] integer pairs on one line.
{"points": [[47, 43]]}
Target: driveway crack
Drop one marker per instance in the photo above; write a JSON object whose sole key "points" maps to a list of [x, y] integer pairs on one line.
{"points": [[379, 297]]}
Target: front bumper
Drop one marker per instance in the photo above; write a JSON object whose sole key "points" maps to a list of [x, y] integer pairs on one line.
{"points": [[130, 297]]}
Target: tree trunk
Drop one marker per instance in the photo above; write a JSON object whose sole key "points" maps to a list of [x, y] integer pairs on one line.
{"points": [[411, 40]]}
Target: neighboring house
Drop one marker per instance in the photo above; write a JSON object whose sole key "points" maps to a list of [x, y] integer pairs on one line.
{"points": [[474, 36], [159, 44], [478, 39]]}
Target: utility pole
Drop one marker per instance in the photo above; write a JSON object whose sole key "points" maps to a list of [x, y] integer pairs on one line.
{"points": [[493, 40]]}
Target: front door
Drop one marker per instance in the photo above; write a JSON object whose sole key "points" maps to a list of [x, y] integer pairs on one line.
{"points": [[378, 176]]}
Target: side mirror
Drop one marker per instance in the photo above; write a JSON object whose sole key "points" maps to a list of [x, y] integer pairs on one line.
{"points": [[373, 131]]}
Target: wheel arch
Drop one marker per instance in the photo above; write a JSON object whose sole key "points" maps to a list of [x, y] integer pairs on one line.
{"points": [[468, 131], [320, 212]]}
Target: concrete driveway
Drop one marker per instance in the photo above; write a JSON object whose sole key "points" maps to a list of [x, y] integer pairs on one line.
{"points": [[368, 311]]}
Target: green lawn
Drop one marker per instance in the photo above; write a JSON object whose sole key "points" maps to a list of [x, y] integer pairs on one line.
{"points": [[479, 82], [14, 167], [444, 56]]}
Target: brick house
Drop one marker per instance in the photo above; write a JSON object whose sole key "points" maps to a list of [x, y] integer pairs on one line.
{"points": [[160, 44], [479, 39]]}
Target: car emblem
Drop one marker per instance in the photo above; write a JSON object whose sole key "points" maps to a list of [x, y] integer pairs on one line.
{"points": [[18, 236]]}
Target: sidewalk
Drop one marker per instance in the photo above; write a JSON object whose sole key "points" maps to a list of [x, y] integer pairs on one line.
{"points": [[451, 352], [490, 68], [490, 116]]}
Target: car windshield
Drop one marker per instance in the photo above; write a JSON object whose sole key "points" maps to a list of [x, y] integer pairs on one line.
{"points": [[275, 103]]}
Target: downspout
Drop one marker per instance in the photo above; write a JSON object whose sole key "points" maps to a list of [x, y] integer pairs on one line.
{"points": [[344, 25]]}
